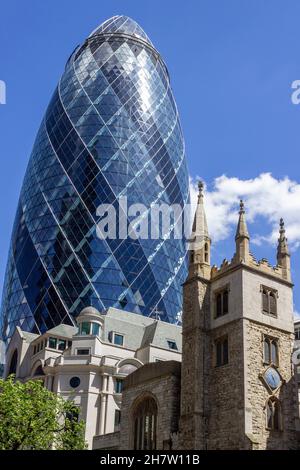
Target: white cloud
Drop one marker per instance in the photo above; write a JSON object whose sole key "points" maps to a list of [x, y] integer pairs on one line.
{"points": [[264, 196], [296, 315]]}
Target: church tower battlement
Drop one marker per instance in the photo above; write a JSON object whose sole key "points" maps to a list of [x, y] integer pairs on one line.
{"points": [[243, 255], [237, 382]]}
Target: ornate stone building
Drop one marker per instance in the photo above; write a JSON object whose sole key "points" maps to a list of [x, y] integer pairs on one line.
{"points": [[89, 363], [238, 387]]}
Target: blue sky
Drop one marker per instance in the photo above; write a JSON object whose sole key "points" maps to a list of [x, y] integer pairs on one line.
{"points": [[231, 64]]}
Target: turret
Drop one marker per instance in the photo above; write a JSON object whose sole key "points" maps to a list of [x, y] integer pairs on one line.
{"points": [[242, 237], [200, 242], [283, 255]]}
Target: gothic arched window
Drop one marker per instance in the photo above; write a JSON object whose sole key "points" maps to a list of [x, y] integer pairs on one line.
{"points": [[265, 301], [271, 355], [273, 414], [222, 302], [269, 301], [145, 423], [13, 363]]}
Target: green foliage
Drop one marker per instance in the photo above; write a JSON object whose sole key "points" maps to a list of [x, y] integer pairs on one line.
{"points": [[32, 417]]}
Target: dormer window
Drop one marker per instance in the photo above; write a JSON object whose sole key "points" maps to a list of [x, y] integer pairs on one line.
{"points": [[61, 344], [56, 343], [269, 301], [89, 328], [95, 329], [116, 338], [85, 328], [172, 344], [52, 343]]}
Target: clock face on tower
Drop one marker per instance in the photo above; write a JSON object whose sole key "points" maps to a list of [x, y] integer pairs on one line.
{"points": [[272, 378]]}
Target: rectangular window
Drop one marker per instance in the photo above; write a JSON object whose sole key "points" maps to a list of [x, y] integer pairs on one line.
{"points": [[118, 385], [61, 344], [52, 343], [95, 329], [297, 334], [172, 345], [83, 352], [85, 328], [34, 350], [269, 300], [221, 348], [222, 302]]}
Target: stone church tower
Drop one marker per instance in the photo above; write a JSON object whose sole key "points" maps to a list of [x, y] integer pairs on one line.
{"points": [[237, 383]]}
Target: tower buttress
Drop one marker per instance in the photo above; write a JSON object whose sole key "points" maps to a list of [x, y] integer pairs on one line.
{"points": [[195, 331]]}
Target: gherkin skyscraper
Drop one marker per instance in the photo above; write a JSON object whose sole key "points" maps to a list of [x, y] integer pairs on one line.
{"points": [[111, 130]]}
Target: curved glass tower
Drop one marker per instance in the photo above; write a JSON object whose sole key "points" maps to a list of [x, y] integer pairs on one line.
{"points": [[111, 130]]}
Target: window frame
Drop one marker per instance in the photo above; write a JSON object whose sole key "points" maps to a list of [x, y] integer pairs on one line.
{"points": [[144, 424], [112, 335], [220, 292], [271, 340], [83, 349], [49, 339], [275, 406], [118, 382], [172, 341], [271, 292], [220, 342]]}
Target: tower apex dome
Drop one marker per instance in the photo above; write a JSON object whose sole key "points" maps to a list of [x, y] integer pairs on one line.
{"points": [[121, 24]]}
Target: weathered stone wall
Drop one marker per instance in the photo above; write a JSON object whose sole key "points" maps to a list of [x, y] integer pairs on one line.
{"points": [[226, 391], [257, 393], [107, 441], [162, 382]]}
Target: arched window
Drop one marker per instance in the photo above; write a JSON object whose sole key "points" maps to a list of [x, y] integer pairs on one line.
{"points": [[38, 371], [273, 414], [145, 423], [267, 352], [265, 301], [271, 355], [13, 363], [269, 301]]}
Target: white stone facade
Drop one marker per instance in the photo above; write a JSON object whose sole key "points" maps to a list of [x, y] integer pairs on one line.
{"points": [[89, 368]]}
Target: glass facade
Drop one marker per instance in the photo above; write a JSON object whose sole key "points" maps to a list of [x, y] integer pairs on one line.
{"points": [[111, 130]]}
